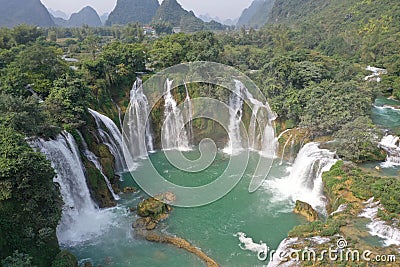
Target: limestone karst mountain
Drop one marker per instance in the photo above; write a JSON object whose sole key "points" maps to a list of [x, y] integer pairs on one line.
{"points": [[31, 12]]}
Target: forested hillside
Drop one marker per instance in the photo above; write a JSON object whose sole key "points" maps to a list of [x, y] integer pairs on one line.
{"points": [[127, 11], [171, 12], [257, 14]]}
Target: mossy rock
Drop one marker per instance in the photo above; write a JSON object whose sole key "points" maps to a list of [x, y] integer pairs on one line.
{"points": [[104, 152], [306, 210], [98, 186], [152, 207], [65, 259]]}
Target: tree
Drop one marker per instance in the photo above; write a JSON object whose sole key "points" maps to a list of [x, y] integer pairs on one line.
{"points": [[24, 34], [162, 27], [24, 115], [38, 65], [358, 140], [122, 61], [30, 203], [331, 105], [68, 101]]}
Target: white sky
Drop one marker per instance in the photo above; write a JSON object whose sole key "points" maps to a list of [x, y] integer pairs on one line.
{"points": [[221, 8]]}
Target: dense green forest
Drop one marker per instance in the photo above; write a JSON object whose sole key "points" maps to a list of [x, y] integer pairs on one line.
{"points": [[309, 65]]}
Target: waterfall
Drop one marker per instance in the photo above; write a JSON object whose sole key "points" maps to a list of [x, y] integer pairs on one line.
{"points": [[261, 131], [81, 219], [174, 135], [92, 158], [235, 118], [119, 113], [65, 158], [291, 155], [188, 103], [391, 145], [284, 148], [111, 137], [389, 233], [305, 179], [141, 139], [254, 136]]}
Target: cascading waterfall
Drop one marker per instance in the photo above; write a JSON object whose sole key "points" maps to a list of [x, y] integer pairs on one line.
{"points": [[254, 135], [261, 131], [174, 134], [390, 233], [78, 205], [141, 138], [119, 113], [284, 148], [305, 179], [111, 137], [235, 116], [391, 145], [93, 158], [291, 153], [188, 103]]}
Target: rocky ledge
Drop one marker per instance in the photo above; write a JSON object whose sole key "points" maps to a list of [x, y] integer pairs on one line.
{"points": [[306, 210], [152, 211]]}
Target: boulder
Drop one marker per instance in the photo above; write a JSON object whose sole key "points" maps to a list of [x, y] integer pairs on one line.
{"points": [[306, 210], [152, 207], [129, 189]]}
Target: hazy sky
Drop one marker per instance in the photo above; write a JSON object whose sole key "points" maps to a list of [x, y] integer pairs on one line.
{"points": [[221, 8]]}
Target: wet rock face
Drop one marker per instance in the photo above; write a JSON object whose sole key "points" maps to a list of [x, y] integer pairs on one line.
{"points": [[306, 210]]}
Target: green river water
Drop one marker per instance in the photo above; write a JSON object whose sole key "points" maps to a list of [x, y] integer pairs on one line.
{"points": [[211, 228]]}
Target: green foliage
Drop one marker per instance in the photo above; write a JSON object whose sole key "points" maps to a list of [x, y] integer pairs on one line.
{"points": [[17, 260], [38, 65], [332, 105], [366, 31], [178, 48], [118, 62], [31, 209], [68, 102], [162, 27], [24, 115], [65, 259], [318, 228], [363, 185], [358, 141]]}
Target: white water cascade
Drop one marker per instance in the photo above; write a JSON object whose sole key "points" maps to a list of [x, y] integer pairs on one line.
{"points": [[111, 136], [261, 131], [78, 205], [389, 233], [235, 117], [305, 179], [140, 134], [174, 134], [391, 145], [284, 148], [189, 116], [93, 158]]}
